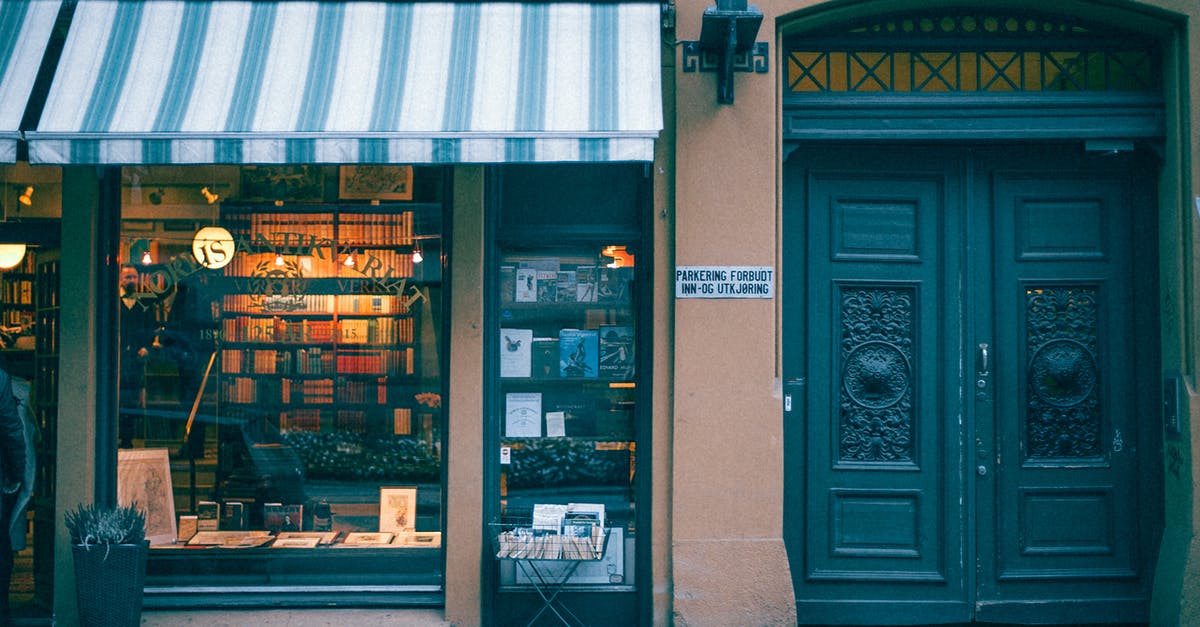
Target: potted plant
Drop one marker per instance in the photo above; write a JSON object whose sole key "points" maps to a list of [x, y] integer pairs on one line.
{"points": [[110, 550]]}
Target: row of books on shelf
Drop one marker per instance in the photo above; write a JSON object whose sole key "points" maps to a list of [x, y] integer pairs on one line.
{"points": [[606, 353], [16, 292], [346, 331], [316, 360], [375, 228], [266, 223], [324, 304], [302, 391], [546, 281], [332, 418], [283, 227]]}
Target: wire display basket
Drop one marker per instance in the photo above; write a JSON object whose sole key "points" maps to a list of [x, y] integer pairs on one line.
{"points": [[518, 538]]}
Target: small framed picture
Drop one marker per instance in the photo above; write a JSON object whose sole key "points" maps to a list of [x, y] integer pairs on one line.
{"points": [[295, 543], [296, 183], [375, 182], [418, 539], [362, 538], [398, 508]]}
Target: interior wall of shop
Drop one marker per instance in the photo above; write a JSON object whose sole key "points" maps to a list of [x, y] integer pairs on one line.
{"points": [[728, 562]]}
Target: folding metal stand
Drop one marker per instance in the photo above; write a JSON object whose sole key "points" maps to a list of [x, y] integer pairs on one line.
{"points": [[549, 588]]}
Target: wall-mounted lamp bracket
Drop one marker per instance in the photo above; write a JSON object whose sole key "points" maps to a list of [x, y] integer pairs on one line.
{"points": [[727, 45]]}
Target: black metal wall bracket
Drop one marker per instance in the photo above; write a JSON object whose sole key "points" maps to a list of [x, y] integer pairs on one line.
{"points": [[727, 45]]}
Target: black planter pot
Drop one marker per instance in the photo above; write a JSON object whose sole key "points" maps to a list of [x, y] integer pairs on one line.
{"points": [[109, 579]]}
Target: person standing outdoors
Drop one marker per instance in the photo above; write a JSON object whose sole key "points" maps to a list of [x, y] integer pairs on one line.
{"points": [[12, 467]]}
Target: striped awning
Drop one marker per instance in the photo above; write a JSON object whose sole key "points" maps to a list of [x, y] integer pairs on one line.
{"points": [[241, 82], [25, 27]]}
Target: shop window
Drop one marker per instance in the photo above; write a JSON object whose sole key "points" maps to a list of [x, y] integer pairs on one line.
{"points": [[568, 393], [283, 375]]}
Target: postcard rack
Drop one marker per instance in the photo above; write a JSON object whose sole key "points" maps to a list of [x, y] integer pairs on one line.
{"points": [[520, 539], [537, 549]]}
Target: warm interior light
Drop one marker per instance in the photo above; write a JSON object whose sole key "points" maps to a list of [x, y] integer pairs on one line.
{"points": [[349, 262], [209, 196], [620, 257], [147, 259], [26, 198], [417, 256], [278, 259], [11, 255]]}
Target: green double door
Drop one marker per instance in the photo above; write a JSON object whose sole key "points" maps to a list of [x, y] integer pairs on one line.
{"points": [[972, 384]]}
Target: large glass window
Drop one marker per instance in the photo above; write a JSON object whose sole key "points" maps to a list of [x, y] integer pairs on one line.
{"points": [[281, 372]]}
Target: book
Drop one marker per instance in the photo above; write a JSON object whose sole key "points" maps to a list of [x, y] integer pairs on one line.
{"points": [[579, 412], [508, 284], [548, 517], [523, 415], [616, 352], [566, 286], [526, 285], [612, 284], [187, 528], [516, 351], [578, 353], [547, 286], [544, 357], [233, 515], [585, 284], [208, 516]]}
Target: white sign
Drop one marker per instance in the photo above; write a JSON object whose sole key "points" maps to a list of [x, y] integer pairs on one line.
{"points": [[724, 282]]}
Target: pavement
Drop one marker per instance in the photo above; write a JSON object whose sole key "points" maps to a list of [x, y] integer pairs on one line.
{"points": [[296, 618]]}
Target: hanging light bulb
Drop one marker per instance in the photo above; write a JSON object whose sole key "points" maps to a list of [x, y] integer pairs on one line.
{"points": [[11, 255], [278, 259], [26, 198], [349, 262], [146, 259], [417, 257], [209, 196]]}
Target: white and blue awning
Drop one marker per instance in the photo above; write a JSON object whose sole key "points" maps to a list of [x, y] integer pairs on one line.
{"points": [[25, 27], [248, 82]]}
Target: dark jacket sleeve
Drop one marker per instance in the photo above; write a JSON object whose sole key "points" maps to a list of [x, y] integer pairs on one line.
{"points": [[12, 432]]}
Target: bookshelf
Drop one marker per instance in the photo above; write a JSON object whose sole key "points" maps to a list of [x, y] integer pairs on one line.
{"points": [[47, 272], [318, 323]]}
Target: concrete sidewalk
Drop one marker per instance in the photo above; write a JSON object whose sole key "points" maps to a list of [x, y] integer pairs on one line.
{"points": [[294, 618]]}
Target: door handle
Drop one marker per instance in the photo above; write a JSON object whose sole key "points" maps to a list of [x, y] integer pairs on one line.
{"points": [[984, 359]]}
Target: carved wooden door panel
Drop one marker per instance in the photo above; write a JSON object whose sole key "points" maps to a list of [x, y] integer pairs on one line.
{"points": [[1066, 505], [964, 371]]}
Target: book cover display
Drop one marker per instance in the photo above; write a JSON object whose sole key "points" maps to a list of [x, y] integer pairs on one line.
{"points": [[616, 352], [579, 353]]}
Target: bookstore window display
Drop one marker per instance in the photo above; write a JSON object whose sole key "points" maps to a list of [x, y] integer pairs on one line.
{"points": [[567, 391], [288, 400]]}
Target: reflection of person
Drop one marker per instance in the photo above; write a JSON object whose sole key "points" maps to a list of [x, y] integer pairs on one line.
{"points": [[13, 458], [137, 324]]}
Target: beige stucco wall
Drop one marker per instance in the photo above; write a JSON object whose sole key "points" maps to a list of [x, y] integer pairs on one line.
{"points": [[728, 563]]}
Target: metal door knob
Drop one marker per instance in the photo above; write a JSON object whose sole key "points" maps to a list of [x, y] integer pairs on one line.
{"points": [[981, 470]]}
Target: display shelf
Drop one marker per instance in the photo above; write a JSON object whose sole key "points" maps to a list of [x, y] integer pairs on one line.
{"points": [[318, 333]]}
